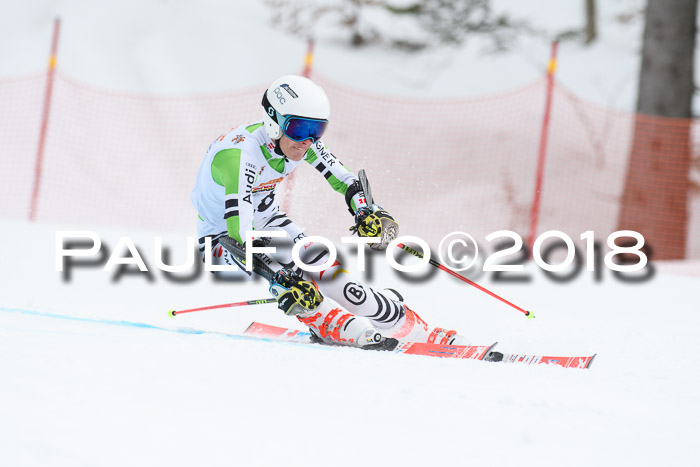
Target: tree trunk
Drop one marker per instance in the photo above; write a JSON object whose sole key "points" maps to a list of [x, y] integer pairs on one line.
{"points": [[654, 200], [591, 23]]}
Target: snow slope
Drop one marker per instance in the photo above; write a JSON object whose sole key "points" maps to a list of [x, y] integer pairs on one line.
{"points": [[82, 386]]}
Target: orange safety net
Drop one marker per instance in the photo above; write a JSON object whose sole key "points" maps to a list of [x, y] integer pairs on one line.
{"points": [[129, 161]]}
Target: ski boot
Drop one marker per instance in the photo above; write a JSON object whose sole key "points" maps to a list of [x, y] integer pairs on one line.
{"points": [[327, 325], [445, 337], [334, 326], [412, 328]]}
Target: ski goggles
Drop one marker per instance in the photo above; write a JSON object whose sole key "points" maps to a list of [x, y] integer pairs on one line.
{"points": [[294, 127], [301, 128]]}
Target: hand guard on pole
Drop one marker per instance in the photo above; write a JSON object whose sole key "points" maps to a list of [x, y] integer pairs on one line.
{"points": [[294, 295], [373, 221]]}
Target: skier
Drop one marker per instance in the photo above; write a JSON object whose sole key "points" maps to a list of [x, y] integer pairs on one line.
{"points": [[235, 193]]}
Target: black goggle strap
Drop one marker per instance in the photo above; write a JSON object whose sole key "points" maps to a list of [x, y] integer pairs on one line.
{"points": [[271, 112]]}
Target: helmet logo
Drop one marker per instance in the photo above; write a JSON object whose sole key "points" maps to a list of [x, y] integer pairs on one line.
{"points": [[271, 111], [280, 97], [289, 90]]}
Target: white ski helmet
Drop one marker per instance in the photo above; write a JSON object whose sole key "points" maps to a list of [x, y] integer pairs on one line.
{"points": [[295, 96]]}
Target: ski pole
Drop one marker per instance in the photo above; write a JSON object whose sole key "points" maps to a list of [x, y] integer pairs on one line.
{"points": [[528, 314], [225, 305]]}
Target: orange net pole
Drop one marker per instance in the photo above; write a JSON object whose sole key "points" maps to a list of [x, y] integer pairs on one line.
{"points": [[308, 59], [535, 209], [44, 120]]}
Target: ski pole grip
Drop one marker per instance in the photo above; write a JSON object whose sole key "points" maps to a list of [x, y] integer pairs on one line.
{"points": [[410, 250]]}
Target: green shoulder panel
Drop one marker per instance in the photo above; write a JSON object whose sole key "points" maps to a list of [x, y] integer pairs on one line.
{"points": [[225, 170], [252, 128], [276, 163]]}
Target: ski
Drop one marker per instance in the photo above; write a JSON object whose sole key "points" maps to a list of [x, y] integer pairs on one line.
{"points": [[470, 352]]}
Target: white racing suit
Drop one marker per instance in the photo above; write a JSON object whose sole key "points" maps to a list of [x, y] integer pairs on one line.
{"points": [[235, 193]]}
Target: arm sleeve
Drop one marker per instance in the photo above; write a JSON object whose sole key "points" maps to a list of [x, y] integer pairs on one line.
{"points": [[235, 171], [336, 174]]}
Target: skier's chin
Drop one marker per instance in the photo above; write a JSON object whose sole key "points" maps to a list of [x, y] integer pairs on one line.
{"points": [[294, 150], [296, 154]]}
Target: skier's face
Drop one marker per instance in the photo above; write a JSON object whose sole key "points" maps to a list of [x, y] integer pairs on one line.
{"points": [[294, 150]]}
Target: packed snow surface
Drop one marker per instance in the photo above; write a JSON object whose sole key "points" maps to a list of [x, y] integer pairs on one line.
{"points": [[94, 372]]}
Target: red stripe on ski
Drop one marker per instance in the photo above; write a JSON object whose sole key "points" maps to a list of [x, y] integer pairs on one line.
{"points": [[275, 332], [566, 362], [471, 352]]}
